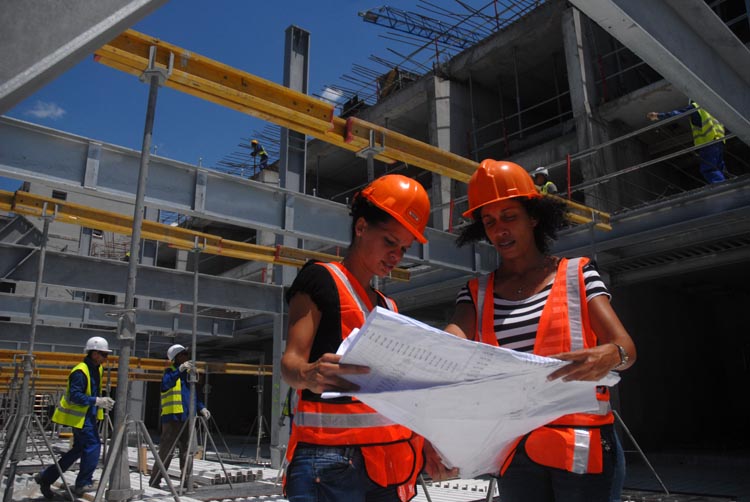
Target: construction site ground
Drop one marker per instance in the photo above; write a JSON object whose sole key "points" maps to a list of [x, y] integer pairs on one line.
{"points": [[688, 477]]}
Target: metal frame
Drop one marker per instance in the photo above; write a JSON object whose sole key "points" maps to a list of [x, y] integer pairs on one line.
{"points": [[690, 46], [86, 273], [53, 311], [32, 152], [72, 31]]}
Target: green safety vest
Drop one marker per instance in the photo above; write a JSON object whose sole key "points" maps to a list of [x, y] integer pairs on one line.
{"points": [[71, 414], [710, 130], [171, 400], [545, 188]]}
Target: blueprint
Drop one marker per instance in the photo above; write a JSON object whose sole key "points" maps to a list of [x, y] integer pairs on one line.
{"points": [[470, 400]]}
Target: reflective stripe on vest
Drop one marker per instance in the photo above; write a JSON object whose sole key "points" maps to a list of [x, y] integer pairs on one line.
{"points": [[171, 399], [545, 187], [575, 323], [341, 420], [348, 285], [481, 290], [71, 414], [710, 129], [581, 451]]}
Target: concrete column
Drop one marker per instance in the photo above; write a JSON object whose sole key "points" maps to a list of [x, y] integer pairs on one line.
{"points": [[292, 166], [137, 400], [149, 248], [180, 262], [449, 120], [590, 129], [84, 249]]}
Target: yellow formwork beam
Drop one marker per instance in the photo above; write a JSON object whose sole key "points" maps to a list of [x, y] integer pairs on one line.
{"points": [[582, 215], [6, 201], [221, 84], [216, 82], [68, 360], [51, 369], [77, 214]]}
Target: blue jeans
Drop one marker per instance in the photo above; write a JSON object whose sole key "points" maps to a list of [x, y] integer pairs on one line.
{"points": [[87, 447], [618, 480], [332, 474], [527, 481]]}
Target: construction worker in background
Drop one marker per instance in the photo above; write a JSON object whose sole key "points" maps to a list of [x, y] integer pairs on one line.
{"points": [[365, 456], [542, 182], [175, 407], [550, 306], [705, 129], [80, 408], [259, 151]]}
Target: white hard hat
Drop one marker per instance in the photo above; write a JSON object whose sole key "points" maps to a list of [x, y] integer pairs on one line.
{"points": [[97, 343], [174, 350], [540, 170]]}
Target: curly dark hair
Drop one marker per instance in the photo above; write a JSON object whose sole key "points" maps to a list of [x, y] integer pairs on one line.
{"points": [[363, 208], [549, 213]]}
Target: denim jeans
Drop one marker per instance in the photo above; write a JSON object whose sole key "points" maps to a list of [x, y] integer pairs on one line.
{"points": [[332, 474], [618, 481], [527, 481]]}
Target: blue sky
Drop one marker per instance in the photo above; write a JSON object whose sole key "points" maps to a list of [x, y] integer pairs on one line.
{"points": [[98, 102]]}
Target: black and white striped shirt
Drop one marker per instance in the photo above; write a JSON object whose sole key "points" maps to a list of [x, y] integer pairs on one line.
{"points": [[516, 322]]}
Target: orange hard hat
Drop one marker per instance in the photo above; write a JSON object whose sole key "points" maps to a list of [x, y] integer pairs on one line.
{"points": [[254, 141], [496, 180], [404, 199]]}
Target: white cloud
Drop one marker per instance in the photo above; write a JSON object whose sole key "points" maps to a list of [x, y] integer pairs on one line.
{"points": [[332, 95], [44, 110]]}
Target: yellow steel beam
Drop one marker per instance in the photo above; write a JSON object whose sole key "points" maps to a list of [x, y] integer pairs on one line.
{"points": [[6, 201], [182, 238], [221, 84], [59, 363], [580, 214]]}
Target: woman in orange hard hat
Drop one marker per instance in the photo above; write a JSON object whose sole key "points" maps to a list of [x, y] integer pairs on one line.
{"points": [[551, 306], [340, 449]]}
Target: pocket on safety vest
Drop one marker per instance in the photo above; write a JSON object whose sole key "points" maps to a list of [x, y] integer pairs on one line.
{"points": [[573, 450]]}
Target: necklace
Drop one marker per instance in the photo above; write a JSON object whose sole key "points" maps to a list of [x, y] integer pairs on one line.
{"points": [[520, 289]]}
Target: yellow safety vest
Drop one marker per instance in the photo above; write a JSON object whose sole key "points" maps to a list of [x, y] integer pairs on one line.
{"points": [[71, 414], [545, 188], [171, 400], [710, 130]]}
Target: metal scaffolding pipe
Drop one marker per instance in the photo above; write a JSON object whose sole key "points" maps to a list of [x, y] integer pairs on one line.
{"points": [[119, 488]]}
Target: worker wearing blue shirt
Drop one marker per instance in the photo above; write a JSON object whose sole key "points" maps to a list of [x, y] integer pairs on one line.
{"points": [[705, 129], [175, 407], [79, 408]]}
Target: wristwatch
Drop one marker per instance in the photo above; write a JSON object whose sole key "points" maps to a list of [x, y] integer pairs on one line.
{"points": [[624, 357]]}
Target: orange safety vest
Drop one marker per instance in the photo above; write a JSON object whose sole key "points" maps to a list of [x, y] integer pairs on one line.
{"points": [[573, 441], [392, 453]]}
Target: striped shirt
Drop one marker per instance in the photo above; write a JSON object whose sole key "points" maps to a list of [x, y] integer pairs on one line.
{"points": [[516, 322]]}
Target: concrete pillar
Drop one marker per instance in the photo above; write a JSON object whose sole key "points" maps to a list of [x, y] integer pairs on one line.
{"points": [[149, 248], [180, 262], [450, 113], [137, 400], [590, 128], [292, 166]]}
